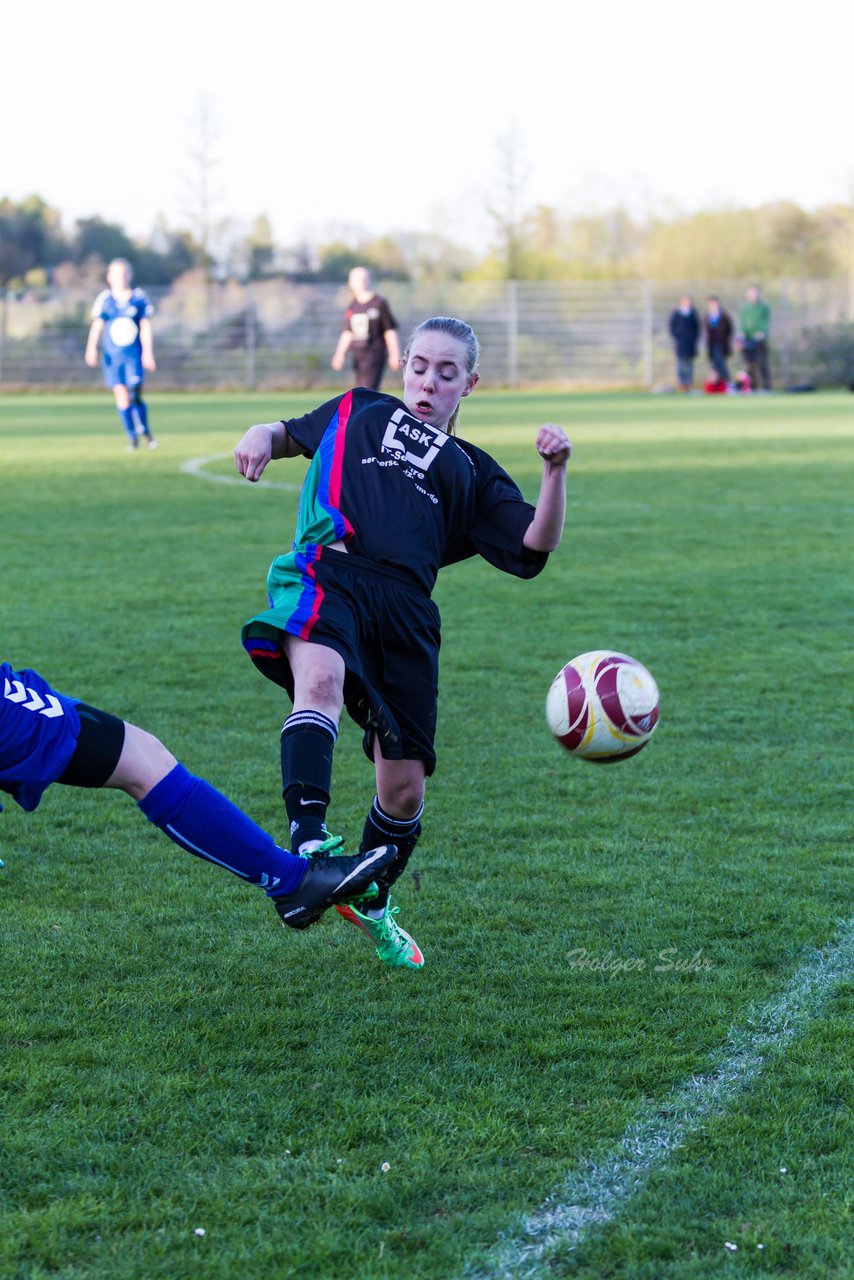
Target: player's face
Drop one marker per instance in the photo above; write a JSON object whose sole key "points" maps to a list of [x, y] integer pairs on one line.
{"points": [[117, 277], [435, 378], [359, 281]]}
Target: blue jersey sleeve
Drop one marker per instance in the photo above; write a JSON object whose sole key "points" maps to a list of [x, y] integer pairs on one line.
{"points": [[144, 309], [99, 306]]}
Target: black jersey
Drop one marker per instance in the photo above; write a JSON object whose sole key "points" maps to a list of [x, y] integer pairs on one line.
{"points": [[403, 493], [369, 322]]}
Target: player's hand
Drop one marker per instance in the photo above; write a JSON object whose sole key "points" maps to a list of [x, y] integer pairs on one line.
{"points": [[553, 445], [149, 363], [337, 363], [394, 365], [254, 450], [91, 358]]}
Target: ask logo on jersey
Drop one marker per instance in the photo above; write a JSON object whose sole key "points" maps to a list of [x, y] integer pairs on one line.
{"points": [[417, 442]]}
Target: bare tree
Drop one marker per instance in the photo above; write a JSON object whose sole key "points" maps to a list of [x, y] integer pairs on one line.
{"points": [[506, 210], [202, 195]]}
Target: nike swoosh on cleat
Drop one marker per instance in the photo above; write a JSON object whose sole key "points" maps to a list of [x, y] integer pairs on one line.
{"points": [[363, 866]]}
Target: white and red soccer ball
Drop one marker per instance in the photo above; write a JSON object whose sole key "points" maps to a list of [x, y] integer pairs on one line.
{"points": [[603, 706]]}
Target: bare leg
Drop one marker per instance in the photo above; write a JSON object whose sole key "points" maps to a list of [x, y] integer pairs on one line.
{"points": [[318, 677], [143, 763], [400, 785]]}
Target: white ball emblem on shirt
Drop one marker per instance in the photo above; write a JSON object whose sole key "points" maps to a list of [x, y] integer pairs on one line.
{"points": [[123, 331]]}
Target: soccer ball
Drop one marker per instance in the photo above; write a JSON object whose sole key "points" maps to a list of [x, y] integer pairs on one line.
{"points": [[603, 706]]}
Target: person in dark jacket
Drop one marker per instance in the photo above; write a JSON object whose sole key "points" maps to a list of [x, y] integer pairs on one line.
{"points": [[717, 326], [685, 332]]}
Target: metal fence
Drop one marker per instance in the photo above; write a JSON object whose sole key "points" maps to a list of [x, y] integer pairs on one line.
{"points": [[277, 335]]}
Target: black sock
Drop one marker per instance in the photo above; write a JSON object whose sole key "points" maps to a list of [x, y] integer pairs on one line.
{"points": [[381, 828], [308, 739]]}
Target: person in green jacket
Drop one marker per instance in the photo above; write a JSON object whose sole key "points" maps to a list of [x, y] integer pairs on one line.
{"points": [[755, 321]]}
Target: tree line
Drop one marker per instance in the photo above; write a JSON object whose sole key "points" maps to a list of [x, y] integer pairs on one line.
{"points": [[770, 241]]}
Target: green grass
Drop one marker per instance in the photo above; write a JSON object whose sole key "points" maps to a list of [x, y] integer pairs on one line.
{"points": [[172, 1059]]}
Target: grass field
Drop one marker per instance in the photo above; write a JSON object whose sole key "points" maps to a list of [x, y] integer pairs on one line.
{"points": [[172, 1060]]}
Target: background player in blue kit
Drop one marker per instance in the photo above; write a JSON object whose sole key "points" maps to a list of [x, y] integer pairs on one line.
{"points": [[391, 496], [120, 316], [48, 737]]}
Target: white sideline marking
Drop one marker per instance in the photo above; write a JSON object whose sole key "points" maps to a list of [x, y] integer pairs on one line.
{"points": [[594, 1196], [196, 467]]}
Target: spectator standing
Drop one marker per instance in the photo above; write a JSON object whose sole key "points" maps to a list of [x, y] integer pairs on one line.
{"points": [[755, 323], [685, 332], [717, 326], [370, 333]]}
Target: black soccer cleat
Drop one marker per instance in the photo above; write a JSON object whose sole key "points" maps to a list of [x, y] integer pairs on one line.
{"points": [[330, 880]]}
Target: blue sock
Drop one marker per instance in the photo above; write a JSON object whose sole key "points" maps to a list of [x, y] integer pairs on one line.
{"points": [[203, 821], [128, 423], [140, 408]]}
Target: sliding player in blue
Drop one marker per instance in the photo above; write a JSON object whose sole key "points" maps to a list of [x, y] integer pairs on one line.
{"points": [[48, 737], [391, 496], [120, 316]]}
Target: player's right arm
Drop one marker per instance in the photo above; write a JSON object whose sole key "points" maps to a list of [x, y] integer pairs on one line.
{"points": [[261, 444], [95, 330], [344, 343], [295, 438]]}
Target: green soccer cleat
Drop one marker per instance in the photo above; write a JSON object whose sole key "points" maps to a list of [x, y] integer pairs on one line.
{"points": [[332, 847], [394, 945]]}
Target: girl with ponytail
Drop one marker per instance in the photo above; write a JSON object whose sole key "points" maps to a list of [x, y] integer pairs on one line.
{"points": [[391, 495]]}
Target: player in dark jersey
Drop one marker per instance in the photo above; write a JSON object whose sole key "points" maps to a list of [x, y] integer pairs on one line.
{"points": [[48, 737], [369, 333], [391, 496], [121, 318]]}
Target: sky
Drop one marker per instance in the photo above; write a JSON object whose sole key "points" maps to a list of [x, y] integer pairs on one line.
{"points": [[381, 117]]}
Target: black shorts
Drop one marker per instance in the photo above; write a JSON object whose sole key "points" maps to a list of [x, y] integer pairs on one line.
{"points": [[388, 633], [99, 747], [369, 366]]}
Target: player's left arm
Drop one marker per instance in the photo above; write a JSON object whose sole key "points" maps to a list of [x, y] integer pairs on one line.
{"points": [[146, 338], [545, 530]]}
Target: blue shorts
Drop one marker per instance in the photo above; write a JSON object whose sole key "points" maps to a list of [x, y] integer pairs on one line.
{"points": [[39, 729], [48, 737], [122, 370]]}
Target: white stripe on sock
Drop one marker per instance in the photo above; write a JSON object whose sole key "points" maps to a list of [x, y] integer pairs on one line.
{"points": [[393, 826], [311, 719]]}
